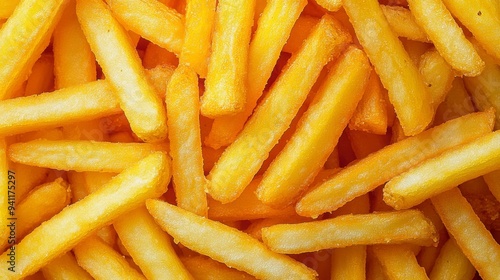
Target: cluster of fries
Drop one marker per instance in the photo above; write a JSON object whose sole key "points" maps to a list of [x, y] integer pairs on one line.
{"points": [[307, 139]]}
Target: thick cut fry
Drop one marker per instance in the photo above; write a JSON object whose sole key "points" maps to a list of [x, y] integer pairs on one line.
{"points": [[320, 127], [444, 172], [65, 267], [152, 20], [123, 70], [41, 78], [147, 178], [102, 261], [399, 262], [300, 30], [408, 226], [199, 20], [381, 166], [437, 75], [225, 244], [456, 104], [452, 264], [81, 155], [203, 268], [262, 57], [403, 23], [447, 36], [492, 179], [226, 87], [392, 64], [23, 38], [243, 158], [474, 240], [183, 105], [149, 246]]}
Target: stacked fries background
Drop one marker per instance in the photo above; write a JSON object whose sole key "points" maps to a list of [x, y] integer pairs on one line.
{"points": [[249, 139]]}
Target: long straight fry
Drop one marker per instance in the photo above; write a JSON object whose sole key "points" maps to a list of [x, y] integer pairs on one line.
{"points": [[381, 166], [399, 262], [403, 23], [243, 158]]}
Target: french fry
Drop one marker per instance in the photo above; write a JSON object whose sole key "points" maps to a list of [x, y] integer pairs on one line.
{"points": [[400, 156], [300, 30], [80, 155], [65, 267], [415, 49], [149, 246], [374, 270], [123, 70], [492, 179], [183, 105], [321, 126], [7, 8], [437, 75], [474, 240], [41, 78], [456, 104], [392, 64], [203, 268], [403, 23], [152, 20], [444, 172], [452, 263], [147, 178], [240, 251], [243, 158], [27, 177], [77, 185], [23, 38], [330, 5], [399, 262], [447, 36], [256, 226], [102, 261], [261, 59], [225, 87]]}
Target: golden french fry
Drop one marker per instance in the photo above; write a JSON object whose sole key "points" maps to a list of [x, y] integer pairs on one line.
{"points": [[7, 8], [183, 105], [225, 87], [403, 23], [393, 65], [255, 228], [456, 104], [203, 268], [492, 179], [437, 75], [136, 95], [330, 5], [41, 78], [474, 240], [381, 166], [65, 267], [239, 251], [452, 263], [243, 158], [321, 126], [23, 38], [300, 30], [399, 262], [444, 172], [147, 178], [408, 226]]}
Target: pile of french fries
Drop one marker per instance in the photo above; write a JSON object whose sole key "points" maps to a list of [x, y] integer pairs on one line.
{"points": [[249, 139]]}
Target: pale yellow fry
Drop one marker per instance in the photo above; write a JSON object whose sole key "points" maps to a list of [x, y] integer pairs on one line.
{"points": [[379, 167], [23, 38], [447, 36], [403, 23], [444, 172], [102, 261], [203, 268], [149, 246], [409, 226], [392, 63], [452, 264], [7, 8], [437, 75], [262, 58], [225, 244], [474, 240], [152, 20], [65, 267], [80, 155], [399, 262], [226, 86], [492, 179], [243, 158], [7, 183], [183, 110], [147, 178], [122, 67], [320, 127]]}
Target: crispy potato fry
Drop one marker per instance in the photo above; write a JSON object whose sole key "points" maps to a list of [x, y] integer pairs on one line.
{"points": [[492, 179], [321, 126], [23, 38], [80, 155], [474, 240], [400, 156], [203, 268], [149, 246], [137, 97], [102, 261], [243, 158], [41, 78], [155, 22], [456, 104], [262, 57], [392, 64], [447, 36], [183, 108], [403, 23], [239, 250], [256, 226], [300, 30], [437, 75], [444, 172], [65, 267], [225, 87], [399, 262], [147, 178], [452, 264]]}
